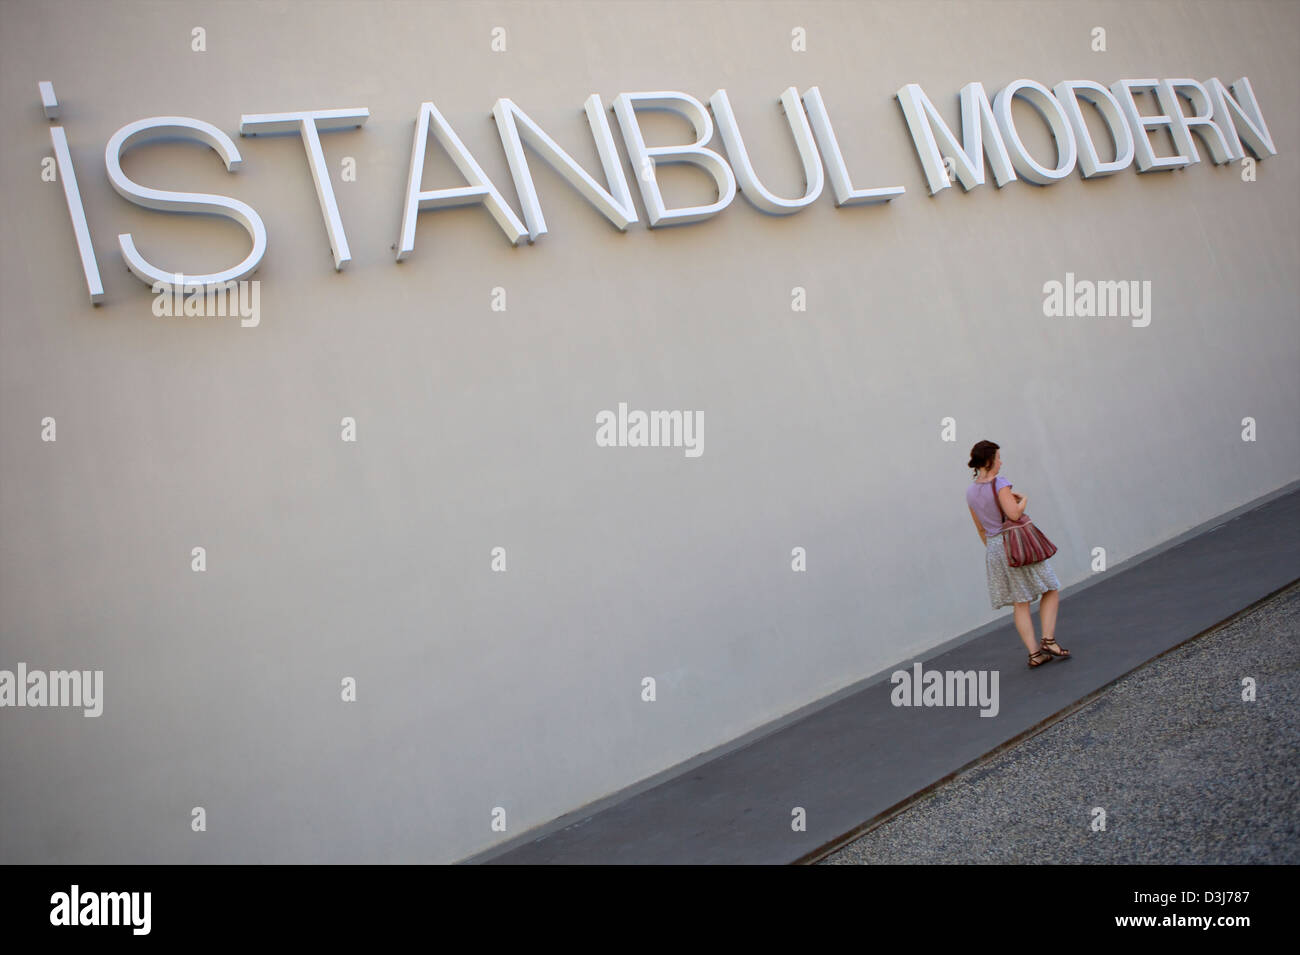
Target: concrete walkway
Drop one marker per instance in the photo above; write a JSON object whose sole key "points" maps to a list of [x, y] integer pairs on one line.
{"points": [[852, 762], [1176, 765]]}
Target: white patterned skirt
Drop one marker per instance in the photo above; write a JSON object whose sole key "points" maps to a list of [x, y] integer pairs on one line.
{"points": [[1010, 585]]}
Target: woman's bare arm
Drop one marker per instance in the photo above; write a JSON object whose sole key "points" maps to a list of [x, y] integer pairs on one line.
{"points": [[1012, 503]]}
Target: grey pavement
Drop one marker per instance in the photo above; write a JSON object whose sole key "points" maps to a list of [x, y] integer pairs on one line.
{"points": [[857, 759], [1184, 769]]}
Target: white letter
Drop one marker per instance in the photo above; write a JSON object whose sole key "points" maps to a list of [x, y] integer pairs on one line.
{"points": [[1068, 94], [59, 913], [309, 124], [642, 156], [1203, 109], [479, 190], [988, 688], [614, 204], [924, 121], [93, 700], [755, 191], [1041, 98], [181, 127], [76, 211], [1147, 161], [845, 194], [142, 902], [1255, 133]]}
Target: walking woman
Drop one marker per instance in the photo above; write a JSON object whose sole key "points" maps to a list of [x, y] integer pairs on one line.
{"points": [[1018, 586]]}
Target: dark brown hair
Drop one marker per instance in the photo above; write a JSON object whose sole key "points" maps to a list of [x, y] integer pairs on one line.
{"points": [[981, 456]]}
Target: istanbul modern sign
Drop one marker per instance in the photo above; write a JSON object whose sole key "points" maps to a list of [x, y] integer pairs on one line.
{"points": [[1226, 120]]}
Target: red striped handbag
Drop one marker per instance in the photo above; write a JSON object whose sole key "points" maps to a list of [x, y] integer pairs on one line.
{"points": [[1023, 542]]}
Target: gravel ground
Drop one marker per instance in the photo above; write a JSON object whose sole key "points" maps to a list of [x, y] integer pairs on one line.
{"points": [[1185, 770]]}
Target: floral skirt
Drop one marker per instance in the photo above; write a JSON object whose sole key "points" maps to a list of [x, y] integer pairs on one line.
{"points": [[1009, 585]]}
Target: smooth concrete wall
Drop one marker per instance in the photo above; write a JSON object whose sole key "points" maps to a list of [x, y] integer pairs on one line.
{"points": [[476, 428]]}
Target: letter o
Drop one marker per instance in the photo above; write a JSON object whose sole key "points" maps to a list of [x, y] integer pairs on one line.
{"points": [[1048, 107]]}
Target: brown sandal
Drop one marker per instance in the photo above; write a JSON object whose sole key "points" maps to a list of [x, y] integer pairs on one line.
{"points": [[1055, 649], [1039, 657]]}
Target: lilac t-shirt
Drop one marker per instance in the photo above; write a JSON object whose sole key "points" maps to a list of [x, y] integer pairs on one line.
{"points": [[980, 499]]}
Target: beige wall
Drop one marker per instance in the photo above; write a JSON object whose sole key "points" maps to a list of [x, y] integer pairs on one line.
{"points": [[476, 427]]}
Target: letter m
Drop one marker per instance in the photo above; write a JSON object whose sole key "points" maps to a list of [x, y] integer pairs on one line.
{"points": [[979, 132], [665, 428], [1111, 293], [65, 687], [961, 687], [119, 903]]}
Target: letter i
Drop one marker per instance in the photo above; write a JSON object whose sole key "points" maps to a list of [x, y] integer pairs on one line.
{"points": [[76, 211]]}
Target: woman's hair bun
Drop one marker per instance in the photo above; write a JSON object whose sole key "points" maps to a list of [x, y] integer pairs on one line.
{"points": [[982, 454]]}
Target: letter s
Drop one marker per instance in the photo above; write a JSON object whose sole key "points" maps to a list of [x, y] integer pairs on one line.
{"points": [[186, 128]]}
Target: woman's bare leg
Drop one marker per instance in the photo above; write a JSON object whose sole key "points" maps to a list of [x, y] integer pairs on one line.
{"points": [[1047, 613], [1025, 626]]}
